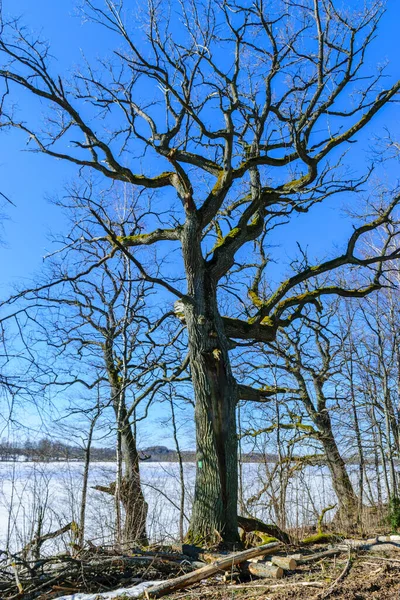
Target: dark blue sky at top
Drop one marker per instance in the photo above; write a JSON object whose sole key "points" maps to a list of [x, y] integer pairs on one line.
{"points": [[31, 179]]}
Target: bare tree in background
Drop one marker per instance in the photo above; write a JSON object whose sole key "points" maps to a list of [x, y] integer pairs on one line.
{"points": [[312, 356], [229, 124], [97, 330]]}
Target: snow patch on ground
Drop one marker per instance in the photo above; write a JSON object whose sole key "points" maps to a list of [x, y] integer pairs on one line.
{"points": [[132, 592]]}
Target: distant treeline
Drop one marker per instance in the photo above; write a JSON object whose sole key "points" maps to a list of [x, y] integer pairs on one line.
{"points": [[49, 450]]}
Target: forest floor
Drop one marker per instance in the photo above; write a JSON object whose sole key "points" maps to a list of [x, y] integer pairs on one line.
{"points": [[369, 577], [349, 569]]}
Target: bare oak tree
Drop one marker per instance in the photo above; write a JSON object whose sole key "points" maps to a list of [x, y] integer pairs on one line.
{"points": [[231, 118]]}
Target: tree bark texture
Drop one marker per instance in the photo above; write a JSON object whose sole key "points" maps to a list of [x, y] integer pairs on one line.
{"points": [[214, 515]]}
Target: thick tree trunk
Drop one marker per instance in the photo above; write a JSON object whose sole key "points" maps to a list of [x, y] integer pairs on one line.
{"points": [[214, 514], [215, 501]]}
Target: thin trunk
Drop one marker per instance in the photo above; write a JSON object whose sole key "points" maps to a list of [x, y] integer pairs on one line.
{"points": [[357, 430], [342, 485], [282, 466], [383, 460], [376, 464], [81, 536], [132, 498], [181, 472], [127, 488], [360, 451], [389, 449], [398, 383], [117, 496], [118, 400], [340, 478]]}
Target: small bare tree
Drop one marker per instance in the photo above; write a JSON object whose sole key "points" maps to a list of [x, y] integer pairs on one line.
{"points": [[90, 314]]}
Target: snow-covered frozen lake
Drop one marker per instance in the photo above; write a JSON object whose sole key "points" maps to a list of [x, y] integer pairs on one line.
{"points": [[29, 491]]}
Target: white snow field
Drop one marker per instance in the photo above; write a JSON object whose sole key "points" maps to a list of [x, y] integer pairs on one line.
{"points": [[30, 492]]}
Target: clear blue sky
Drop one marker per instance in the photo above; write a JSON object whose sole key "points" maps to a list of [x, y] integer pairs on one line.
{"points": [[30, 179]]}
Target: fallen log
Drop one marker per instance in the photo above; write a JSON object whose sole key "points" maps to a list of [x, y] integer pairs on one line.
{"points": [[375, 543], [388, 547], [287, 563], [265, 570], [223, 564]]}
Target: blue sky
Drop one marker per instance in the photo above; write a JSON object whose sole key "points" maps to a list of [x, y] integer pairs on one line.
{"points": [[29, 179]]}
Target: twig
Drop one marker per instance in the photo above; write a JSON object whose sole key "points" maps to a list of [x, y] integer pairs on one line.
{"points": [[277, 586], [383, 558], [48, 536], [323, 595]]}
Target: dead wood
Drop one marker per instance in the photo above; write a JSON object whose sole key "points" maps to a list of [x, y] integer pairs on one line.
{"points": [[86, 574], [264, 570], [371, 543], [303, 560], [249, 525], [207, 571], [343, 574], [287, 563], [38, 541]]}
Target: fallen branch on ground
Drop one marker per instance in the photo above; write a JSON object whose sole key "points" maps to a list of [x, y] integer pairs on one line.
{"points": [[343, 574], [371, 543], [249, 525], [39, 541], [220, 565], [304, 560], [277, 586]]}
